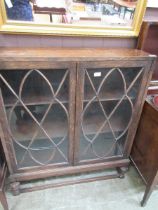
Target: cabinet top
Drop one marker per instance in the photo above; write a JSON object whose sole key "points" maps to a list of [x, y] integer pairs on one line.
{"points": [[71, 54]]}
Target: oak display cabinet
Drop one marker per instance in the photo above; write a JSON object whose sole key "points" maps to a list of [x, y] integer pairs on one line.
{"points": [[67, 111]]}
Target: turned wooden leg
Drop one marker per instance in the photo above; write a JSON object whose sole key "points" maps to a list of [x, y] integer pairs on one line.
{"points": [[120, 173], [150, 187], [3, 200], [15, 188], [126, 169]]}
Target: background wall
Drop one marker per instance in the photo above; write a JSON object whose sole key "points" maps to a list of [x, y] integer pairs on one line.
{"points": [[8, 40]]}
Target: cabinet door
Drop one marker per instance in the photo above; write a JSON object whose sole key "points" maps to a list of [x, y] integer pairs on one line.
{"points": [[107, 108], [38, 112]]}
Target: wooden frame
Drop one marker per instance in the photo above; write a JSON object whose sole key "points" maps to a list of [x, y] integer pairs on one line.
{"points": [[3, 173], [24, 27], [76, 60], [3, 199]]}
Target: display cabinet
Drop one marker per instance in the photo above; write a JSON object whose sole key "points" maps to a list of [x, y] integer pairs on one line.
{"points": [[67, 111]]}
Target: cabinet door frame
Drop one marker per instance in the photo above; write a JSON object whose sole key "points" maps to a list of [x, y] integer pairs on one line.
{"points": [[147, 72], [6, 138], [3, 174]]}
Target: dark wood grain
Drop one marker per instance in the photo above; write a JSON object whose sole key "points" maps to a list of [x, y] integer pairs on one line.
{"points": [[69, 54], [147, 41], [144, 152], [76, 61], [39, 174]]}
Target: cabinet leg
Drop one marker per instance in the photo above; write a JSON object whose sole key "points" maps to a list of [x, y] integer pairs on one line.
{"points": [[126, 169], [150, 187], [15, 188], [120, 173], [3, 200], [146, 196]]}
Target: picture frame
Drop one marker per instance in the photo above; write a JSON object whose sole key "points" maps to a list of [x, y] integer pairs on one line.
{"points": [[33, 28]]}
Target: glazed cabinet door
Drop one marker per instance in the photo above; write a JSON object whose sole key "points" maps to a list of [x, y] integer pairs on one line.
{"points": [[37, 109], [107, 109]]}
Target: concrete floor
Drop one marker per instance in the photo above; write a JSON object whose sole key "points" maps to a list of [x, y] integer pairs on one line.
{"points": [[115, 194]]}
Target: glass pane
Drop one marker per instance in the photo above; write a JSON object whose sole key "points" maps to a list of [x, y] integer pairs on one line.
{"points": [[108, 104], [37, 113], [103, 82], [102, 13]]}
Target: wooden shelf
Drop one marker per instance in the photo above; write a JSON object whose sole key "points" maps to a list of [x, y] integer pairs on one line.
{"points": [[58, 128], [23, 126], [45, 100], [34, 100], [113, 96], [106, 99], [25, 131], [92, 125]]}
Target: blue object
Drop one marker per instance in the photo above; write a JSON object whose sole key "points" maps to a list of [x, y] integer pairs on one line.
{"points": [[21, 10]]}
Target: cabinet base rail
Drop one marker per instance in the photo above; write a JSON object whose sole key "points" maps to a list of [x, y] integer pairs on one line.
{"points": [[3, 199], [18, 187]]}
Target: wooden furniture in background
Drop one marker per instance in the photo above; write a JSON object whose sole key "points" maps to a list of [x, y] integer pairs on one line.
{"points": [[50, 11], [145, 148], [67, 111], [148, 42], [3, 172]]}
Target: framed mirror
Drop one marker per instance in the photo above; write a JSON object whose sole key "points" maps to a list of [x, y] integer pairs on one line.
{"points": [[72, 17]]}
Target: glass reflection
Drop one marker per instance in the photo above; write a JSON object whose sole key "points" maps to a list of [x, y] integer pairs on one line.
{"points": [[77, 12], [19, 10]]}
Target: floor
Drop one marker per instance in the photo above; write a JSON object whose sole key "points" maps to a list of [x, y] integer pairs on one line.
{"points": [[120, 194]]}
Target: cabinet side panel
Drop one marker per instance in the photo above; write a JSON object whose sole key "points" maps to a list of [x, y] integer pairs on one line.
{"points": [[148, 71], [145, 147]]}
